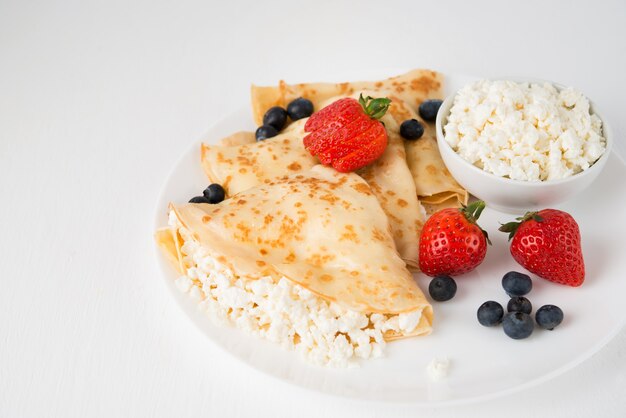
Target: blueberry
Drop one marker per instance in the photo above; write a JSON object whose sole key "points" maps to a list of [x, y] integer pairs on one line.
{"points": [[300, 108], [519, 304], [214, 193], [264, 132], [516, 284], [517, 325], [549, 316], [198, 199], [442, 288], [429, 108], [275, 116], [411, 129], [490, 313]]}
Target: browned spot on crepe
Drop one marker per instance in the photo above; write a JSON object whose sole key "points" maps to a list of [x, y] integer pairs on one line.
{"points": [[330, 198], [295, 166], [362, 188], [378, 235], [227, 181], [326, 277], [350, 234], [290, 258], [244, 232], [425, 84]]}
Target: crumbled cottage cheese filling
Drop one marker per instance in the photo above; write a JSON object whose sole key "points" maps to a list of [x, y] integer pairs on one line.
{"points": [[524, 131], [284, 312]]}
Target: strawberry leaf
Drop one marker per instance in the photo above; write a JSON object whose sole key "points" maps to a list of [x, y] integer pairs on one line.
{"points": [[374, 108], [486, 236], [472, 213], [511, 227]]}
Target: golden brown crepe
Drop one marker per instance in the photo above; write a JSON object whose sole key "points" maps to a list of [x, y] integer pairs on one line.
{"points": [[321, 229], [435, 186], [392, 183], [237, 168], [412, 88]]}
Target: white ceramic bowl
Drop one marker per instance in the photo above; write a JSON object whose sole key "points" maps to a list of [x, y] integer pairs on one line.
{"points": [[516, 196]]}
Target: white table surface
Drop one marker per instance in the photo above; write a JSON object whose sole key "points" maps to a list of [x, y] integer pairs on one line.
{"points": [[98, 100]]}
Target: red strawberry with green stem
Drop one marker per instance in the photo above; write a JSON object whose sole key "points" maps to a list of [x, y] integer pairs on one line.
{"points": [[452, 242], [547, 243], [347, 134]]}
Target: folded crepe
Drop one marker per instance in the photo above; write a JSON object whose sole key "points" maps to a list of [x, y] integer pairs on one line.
{"points": [[238, 168], [435, 186], [241, 167], [413, 88], [305, 260], [392, 183]]}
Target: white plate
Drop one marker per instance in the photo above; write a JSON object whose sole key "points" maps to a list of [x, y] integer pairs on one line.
{"points": [[484, 362]]}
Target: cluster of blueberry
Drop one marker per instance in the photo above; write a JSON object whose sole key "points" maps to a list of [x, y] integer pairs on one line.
{"points": [[517, 322], [275, 118], [412, 129]]}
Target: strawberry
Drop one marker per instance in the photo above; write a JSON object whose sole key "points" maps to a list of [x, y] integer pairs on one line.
{"points": [[452, 243], [547, 243], [347, 134]]}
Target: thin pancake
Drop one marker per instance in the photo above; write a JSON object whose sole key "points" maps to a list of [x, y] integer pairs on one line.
{"points": [[412, 88], [392, 183], [322, 230], [389, 176], [238, 168], [435, 186]]}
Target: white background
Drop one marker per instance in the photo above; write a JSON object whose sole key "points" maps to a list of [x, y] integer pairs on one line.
{"points": [[98, 100]]}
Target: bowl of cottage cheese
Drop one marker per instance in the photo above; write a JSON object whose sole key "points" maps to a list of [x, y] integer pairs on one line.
{"points": [[522, 145]]}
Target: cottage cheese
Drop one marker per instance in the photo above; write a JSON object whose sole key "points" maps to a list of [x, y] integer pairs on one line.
{"points": [[524, 131], [323, 332], [437, 369]]}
